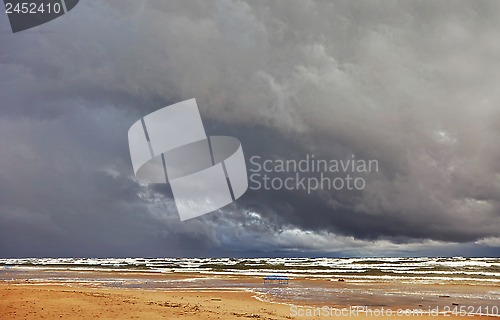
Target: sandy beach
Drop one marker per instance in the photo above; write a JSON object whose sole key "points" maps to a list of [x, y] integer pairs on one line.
{"points": [[138, 288], [44, 301], [84, 294], [64, 302]]}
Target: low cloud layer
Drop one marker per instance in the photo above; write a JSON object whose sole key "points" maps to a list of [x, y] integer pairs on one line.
{"points": [[413, 85]]}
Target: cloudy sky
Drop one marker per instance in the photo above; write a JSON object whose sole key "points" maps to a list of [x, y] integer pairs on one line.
{"points": [[413, 84]]}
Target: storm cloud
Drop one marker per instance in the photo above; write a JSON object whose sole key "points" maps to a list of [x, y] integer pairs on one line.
{"points": [[413, 85]]}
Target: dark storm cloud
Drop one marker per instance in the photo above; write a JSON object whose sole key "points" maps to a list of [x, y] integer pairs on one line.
{"points": [[412, 85]]}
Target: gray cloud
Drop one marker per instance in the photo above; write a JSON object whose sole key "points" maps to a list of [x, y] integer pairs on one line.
{"points": [[413, 85]]}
